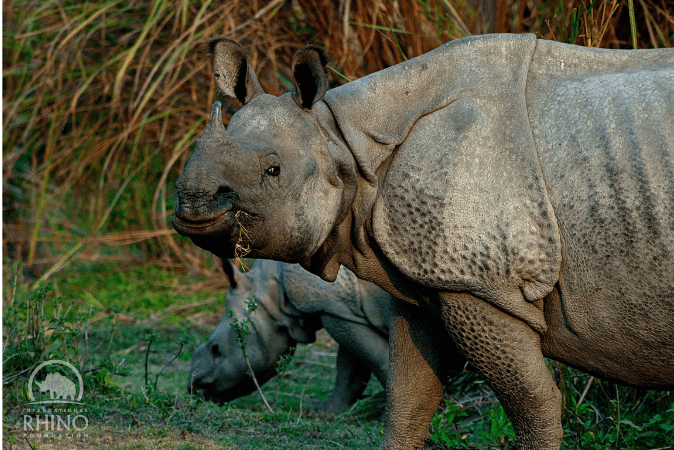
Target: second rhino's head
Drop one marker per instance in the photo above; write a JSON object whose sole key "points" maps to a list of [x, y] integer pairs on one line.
{"points": [[275, 167], [219, 370]]}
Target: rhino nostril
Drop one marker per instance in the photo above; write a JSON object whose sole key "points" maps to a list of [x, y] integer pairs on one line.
{"points": [[215, 350], [223, 190]]}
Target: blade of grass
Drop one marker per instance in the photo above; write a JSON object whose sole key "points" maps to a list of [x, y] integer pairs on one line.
{"points": [[90, 17], [389, 28], [129, 55], [395, 39], [606, 20], [651, 21], [563, 29], [338, 73], [56, 126], [633, 23], [457, 19]]}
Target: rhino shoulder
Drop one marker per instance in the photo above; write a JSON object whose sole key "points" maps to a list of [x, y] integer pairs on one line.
{"points": [[307, 294], [464, 205], [375, 306]]}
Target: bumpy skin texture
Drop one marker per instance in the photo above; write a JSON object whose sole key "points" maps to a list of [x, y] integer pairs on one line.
{"points": [[519, 191], [294, 304]]}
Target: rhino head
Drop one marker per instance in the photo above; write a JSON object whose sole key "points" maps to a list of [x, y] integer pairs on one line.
{"points": [[219, 371], [277, 160]]}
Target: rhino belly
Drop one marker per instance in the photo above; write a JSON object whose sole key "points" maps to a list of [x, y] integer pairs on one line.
{"points": [[606, 144]]}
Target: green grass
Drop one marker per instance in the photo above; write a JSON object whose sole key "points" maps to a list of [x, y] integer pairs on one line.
{"points": [[146, 290], [119, 312]]}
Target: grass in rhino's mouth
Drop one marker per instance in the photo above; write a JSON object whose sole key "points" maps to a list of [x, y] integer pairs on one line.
{"points": [[241, 249]]}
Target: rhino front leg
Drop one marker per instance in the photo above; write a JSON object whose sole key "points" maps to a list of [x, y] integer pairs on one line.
{"points": [[507, 353], [362, 351], [351, 381], [417, 370]]}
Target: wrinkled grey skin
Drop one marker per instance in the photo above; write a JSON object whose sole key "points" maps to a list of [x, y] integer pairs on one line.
{"points": [[516, 194], [294, 304]]}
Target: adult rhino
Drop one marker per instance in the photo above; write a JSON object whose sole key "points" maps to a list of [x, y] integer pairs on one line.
{"points": [[516, 194], [294, 304]]}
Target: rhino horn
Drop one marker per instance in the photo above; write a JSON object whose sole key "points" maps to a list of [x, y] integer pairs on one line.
{"points": [[202, 179], [215, 129]]}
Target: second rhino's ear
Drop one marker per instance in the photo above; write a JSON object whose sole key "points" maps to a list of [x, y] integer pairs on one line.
{"points": [[310, 76], [232, 71], [235, 277]]}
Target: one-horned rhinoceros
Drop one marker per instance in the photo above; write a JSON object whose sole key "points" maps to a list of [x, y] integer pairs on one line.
{"points": [[293, 305], [517, 195]]}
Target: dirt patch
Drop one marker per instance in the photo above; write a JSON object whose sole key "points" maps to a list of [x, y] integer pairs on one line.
{"points": [[106, 437]]}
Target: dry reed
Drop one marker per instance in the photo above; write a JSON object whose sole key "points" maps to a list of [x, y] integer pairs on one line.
{"points": [[103, 100]]}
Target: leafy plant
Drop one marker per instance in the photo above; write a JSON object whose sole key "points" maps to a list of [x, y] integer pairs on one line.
{"points": [[444, 429], [242, 331], [630, 425], [282, 365], [498, 428]]}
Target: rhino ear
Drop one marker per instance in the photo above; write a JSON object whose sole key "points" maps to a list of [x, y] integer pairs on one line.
{"points": [[232, 71], [310, 76], [301, 327], [233, 275]]}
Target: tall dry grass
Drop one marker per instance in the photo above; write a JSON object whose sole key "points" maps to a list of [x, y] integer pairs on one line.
{"points": [[102, 100]]}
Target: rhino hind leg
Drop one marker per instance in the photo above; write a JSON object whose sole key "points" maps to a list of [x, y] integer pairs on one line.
{"points": [[507, 353]]}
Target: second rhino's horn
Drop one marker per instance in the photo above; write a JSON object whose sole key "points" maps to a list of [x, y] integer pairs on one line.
{"points": [[215, 129]]}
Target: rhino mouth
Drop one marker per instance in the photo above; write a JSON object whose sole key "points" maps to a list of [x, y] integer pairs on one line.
{"points": [[218, 225], [200, 223], [220, 398], [210, 392]]}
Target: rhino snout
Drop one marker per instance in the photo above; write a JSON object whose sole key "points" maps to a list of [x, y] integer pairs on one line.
{"points": [[205, 214], [203, 203], [202, 371]]}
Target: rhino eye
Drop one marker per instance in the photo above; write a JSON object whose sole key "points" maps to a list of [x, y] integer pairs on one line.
{"points": [[274, 170]]}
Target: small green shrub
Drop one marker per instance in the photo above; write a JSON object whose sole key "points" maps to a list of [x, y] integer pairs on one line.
{"points": [[444, 429], [454, 428]]}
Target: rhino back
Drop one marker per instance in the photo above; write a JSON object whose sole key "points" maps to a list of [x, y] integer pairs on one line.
{"points": [[343, 298], [603, 122]]}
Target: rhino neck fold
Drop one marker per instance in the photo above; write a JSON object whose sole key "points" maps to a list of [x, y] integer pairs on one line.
{"points": [[346, 172], [461, 107]]}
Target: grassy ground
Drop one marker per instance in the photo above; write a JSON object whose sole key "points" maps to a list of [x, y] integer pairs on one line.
{"points": [[119, 314], [133, 415], [103, 320]]}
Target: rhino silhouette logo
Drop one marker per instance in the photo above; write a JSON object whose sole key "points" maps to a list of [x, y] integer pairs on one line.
{"points": [[59, 387]]}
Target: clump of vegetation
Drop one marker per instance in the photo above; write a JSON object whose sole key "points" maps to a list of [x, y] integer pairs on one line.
{"points": [[241, 332], [596, 415]]}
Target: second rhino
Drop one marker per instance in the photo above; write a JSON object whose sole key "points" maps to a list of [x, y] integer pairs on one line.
{"points": [[293, 305]]}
